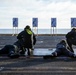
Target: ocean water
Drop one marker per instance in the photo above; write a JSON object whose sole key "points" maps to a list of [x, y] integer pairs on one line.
{"points": [[36, 31]]}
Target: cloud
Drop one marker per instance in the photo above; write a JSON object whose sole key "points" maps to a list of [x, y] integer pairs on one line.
{"points": [[56, 1], [25, 10]]}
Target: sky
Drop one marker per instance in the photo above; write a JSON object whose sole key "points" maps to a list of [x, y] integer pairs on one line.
{"points": [[44, 10]]}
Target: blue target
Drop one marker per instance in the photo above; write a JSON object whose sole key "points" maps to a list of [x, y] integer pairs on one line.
{"points": [[53, 22], [73, 22], [35, 22], [15, 22]]}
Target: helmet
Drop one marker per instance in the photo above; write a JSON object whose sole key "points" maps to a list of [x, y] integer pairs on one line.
{"points": [[27, 27]]}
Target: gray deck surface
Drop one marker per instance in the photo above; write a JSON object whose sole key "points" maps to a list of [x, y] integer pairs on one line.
{"points": [[36, 65]]}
